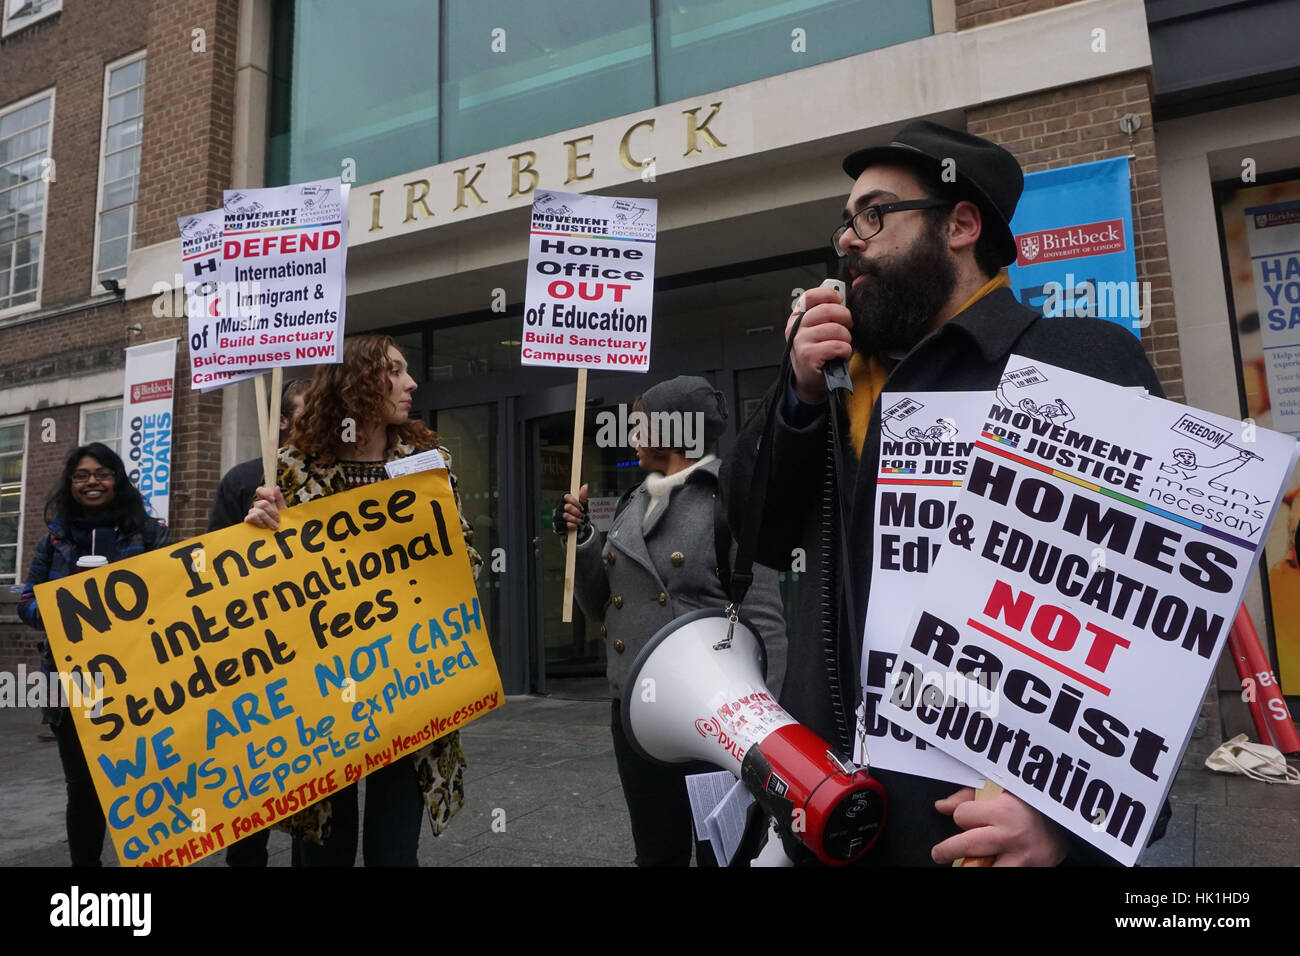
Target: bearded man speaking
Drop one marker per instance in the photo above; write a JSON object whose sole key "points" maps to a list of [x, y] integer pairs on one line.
{"points": [[929, 309]]}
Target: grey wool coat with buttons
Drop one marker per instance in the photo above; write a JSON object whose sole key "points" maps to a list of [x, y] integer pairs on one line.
{"points": [[628, 581]]}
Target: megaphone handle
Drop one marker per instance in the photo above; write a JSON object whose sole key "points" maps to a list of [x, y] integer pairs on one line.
{"points": [[986, 792]]}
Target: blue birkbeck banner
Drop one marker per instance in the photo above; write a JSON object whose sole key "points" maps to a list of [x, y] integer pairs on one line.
{"points": [[1074, 245]]}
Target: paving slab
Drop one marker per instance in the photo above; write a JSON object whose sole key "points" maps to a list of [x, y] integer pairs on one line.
{"points": [[544, 767], [1245, 836]]}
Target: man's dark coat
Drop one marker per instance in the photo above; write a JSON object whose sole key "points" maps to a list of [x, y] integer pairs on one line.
{"points": [[822, 688]]}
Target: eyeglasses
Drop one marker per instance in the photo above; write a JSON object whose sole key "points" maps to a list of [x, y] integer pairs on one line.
{"points": [[871, 220], [102, 475]]}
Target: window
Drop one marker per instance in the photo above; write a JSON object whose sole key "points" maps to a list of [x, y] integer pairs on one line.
{"points": [[713, 44], [119, 167], [22, 13], [25, 167], [13, 441], [344, 106], [560, 64], [479, 74], [102, 422]]}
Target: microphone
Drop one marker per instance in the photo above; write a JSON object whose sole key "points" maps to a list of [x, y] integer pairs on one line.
{"points": [[836, 371]]}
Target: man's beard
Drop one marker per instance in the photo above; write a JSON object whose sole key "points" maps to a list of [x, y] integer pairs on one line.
{"points": [[898, 301]]}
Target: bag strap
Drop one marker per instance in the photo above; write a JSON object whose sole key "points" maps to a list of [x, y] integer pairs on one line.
{"points": [[742, 574], [850, 647], [721, 541], [847, 648], [622, 503]]}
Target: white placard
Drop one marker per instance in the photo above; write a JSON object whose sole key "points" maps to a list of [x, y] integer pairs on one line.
{"points": [[147, 422], [1095, 561], [421, 461], [591, 268], [284, 254], [925, 443], [201, 268]]}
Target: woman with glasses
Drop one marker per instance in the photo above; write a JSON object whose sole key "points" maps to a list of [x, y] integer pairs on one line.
{"points": [[95, 516]]}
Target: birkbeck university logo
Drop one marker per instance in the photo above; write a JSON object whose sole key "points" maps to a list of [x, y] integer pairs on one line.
{"points": [[154, 391], [1070, 242]]}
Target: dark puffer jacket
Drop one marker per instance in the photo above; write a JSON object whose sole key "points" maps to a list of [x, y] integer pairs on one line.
{"points": [[57, 553]]}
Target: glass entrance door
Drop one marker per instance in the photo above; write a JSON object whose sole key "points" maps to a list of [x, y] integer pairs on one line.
{"points": [[573, 654]]}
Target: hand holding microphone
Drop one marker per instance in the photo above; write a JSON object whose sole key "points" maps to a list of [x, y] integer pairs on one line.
{"points": [[823, 338]]}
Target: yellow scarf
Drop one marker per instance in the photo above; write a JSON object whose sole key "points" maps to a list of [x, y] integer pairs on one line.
{"points": [[869, 374]]}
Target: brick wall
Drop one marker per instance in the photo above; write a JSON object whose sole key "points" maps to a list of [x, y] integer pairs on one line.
{"points": [[189, 113], [69, 52], [65, 347], [1079, 124], [185, 164], [976, 13], [44, 465]]}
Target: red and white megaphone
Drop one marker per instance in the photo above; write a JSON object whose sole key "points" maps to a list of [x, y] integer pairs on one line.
{"points": [[696, 692]]}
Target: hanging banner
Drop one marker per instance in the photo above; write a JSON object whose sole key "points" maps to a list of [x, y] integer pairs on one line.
{"points": [[201, 268], [1074, 245], [250, 673], [591, 269], [147, 422], [1274, 236], [1268, 337], [284, 254], [926, 440], [1074, 618]]}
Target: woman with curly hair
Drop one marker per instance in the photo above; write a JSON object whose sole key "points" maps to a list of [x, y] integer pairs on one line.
{"points": [[94, 514], [356, 417]]}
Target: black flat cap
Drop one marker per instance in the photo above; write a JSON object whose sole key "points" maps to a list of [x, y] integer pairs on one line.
{"points": [[985, 173]]}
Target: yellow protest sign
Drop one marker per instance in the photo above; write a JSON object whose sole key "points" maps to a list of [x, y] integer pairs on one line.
{"points": [[250, 673]]}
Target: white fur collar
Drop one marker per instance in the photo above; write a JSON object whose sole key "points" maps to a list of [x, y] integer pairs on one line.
{"points": [[658, 486]]}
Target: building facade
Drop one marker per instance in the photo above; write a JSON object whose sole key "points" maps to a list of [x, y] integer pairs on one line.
{"points": [[447, 116]]}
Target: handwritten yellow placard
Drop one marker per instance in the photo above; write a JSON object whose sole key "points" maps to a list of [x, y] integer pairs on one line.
{"points": [[250, 673]]}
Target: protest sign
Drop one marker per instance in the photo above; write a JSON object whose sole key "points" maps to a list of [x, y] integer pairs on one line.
{"points": [[284, 253], [591, 268], [147, 422], [590, 292], [251, 673], [1094, 563], [925, 443], [201, 268], [1274, 236]]}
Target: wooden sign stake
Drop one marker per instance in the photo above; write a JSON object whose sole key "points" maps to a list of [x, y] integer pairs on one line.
{"points": [[989, 791], [268, 422], [575, 483]]}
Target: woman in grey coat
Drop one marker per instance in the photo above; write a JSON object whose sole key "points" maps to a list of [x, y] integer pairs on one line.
{"points": [[657, 562]]}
